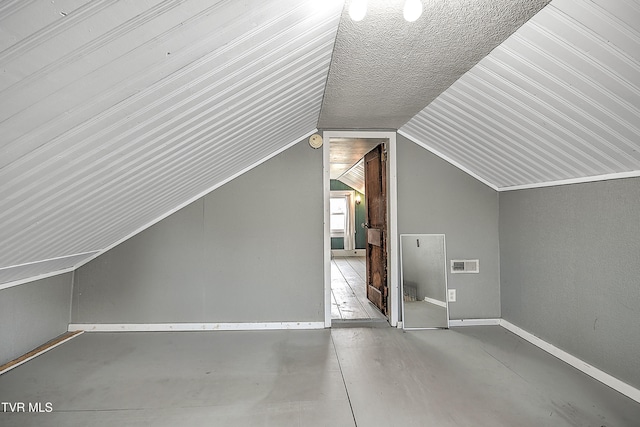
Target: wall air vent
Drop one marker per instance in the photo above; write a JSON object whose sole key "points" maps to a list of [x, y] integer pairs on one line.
{"points": [[465, 266]]}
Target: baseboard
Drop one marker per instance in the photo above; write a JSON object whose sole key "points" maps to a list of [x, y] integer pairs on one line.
{"points": [[352, 252], [436, 302], [592, 371], [454, 323], [577, 363], [40, 350], [170, 327], [603, 377]]}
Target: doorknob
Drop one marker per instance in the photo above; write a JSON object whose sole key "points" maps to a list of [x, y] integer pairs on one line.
{"points": [[365, 225]]}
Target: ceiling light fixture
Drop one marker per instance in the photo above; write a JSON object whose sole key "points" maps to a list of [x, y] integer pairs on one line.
{"points": [[412, 10], [358, 9]]}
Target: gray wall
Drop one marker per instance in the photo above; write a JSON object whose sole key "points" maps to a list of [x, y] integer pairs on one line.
{"points": [[32, 314], [435, 197], [250, 251], [570, 261]]}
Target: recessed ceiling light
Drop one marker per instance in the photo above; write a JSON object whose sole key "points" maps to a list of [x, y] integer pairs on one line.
{"points": [[358, 9], [412, 10]]}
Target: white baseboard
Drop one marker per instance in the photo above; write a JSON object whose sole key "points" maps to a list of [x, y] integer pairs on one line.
{"points": [[169, 327], [592, 371], [454, 323], [581, 365], [577, 363], [436, 302]]}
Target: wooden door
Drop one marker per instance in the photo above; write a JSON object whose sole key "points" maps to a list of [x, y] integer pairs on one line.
{"points": [[375, 175]]}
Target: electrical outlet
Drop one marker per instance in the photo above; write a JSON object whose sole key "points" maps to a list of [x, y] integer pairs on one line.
{"points": [[452, 295]]}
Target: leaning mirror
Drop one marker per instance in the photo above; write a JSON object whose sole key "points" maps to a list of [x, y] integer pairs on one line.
{"points": [[423, 281]]}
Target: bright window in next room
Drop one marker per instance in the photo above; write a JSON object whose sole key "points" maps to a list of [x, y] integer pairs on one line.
{"points": [[338, 207]]}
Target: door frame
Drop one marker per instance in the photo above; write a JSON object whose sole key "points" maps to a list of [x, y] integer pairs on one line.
{"points": [[392, 216]]}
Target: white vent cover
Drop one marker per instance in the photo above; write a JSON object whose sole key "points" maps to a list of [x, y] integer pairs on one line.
{"points": [[465, 266]]}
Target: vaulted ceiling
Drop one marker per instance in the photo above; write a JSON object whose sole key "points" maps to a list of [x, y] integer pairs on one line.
{"points": [[113, 115], [385, 70], [557, 101]]}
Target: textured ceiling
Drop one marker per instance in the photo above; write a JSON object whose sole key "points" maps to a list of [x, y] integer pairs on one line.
{"points": [[113, 114], [558, 101], [385, 70]]}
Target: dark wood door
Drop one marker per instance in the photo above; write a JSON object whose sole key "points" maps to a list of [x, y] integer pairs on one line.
{"points": [[375, 175]]}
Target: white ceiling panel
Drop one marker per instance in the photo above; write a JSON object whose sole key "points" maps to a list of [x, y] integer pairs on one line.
{"points": [[354, 177], [558, 100], [346, 159], [17, 274], [112, 114], [344, 153]]}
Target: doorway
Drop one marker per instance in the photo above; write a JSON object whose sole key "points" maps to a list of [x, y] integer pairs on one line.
{"points": [[352, 281]]}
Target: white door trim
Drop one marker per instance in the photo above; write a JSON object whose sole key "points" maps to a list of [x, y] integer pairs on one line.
{"points": [[392, 216]]}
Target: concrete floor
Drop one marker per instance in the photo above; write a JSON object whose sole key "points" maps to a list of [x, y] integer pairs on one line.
{"points": [[472, 376]]}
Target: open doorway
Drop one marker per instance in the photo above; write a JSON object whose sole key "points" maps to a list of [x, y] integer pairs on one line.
{"points": [[360, 237]]}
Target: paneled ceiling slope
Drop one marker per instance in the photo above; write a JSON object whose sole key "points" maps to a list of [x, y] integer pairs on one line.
{"points": [[346, 159], [559, 100], [354, 177], [114, 114], [385, 70]]}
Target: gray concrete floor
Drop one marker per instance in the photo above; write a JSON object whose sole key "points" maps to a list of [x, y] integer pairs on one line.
{"points": [[472, 376]]}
